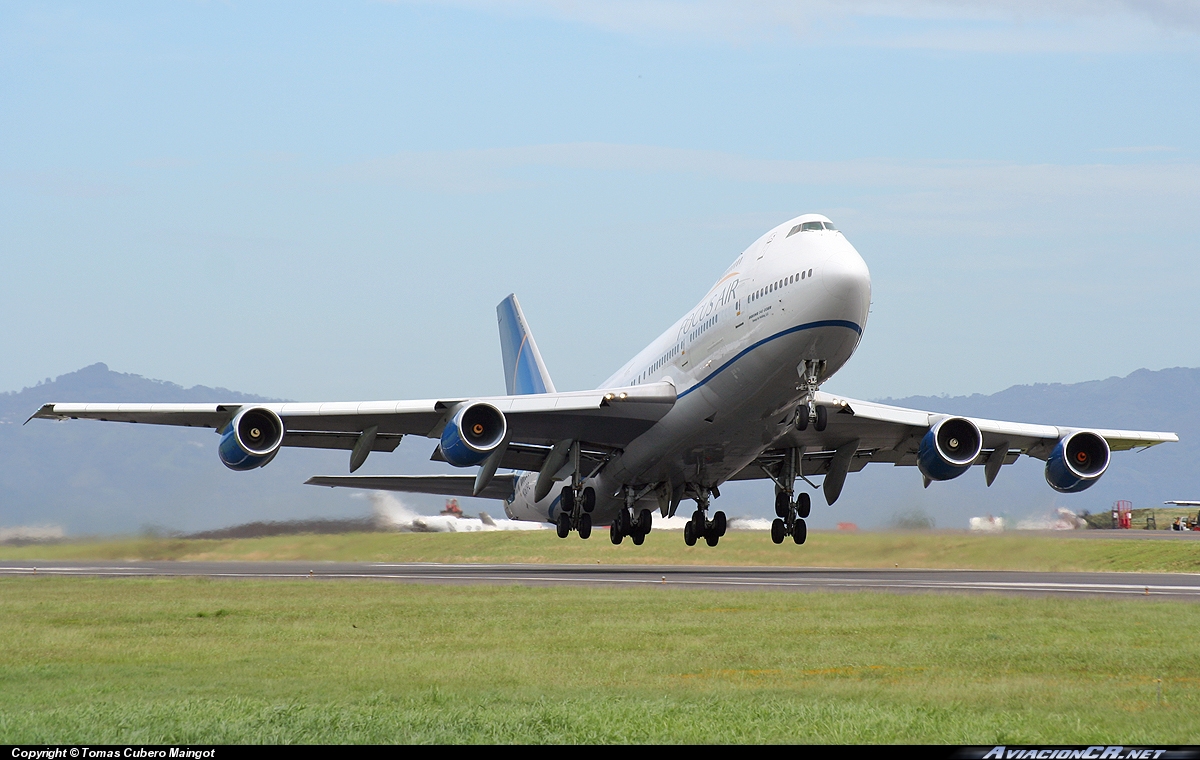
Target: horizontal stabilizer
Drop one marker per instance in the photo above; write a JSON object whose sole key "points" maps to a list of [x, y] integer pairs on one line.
{"points": [[500, 487]]}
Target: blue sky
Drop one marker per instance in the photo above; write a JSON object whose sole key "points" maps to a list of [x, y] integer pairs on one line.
{"points": [[326, 201]]}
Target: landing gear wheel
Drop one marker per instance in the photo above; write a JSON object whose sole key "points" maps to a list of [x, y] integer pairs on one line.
{"points": [[589, 499], [777, 531], [689, 535], [799, 532], [645, 520], [568, 500], [614, 535], [564, 525], [781, 504], [802, 419], [803, 506], [638, 538], [623, 522], [822, 418], [585, 526], [698, 526], [711, 539], [719, 524]]}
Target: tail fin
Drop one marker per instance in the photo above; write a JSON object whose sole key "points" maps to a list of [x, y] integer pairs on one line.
{"points": [[524, 370]]}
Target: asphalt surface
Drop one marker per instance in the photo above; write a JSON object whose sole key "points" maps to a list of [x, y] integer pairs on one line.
{"points": [[1175, 587]]}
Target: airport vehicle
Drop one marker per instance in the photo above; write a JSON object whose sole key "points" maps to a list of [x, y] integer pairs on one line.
{"points": [[731, 391]]}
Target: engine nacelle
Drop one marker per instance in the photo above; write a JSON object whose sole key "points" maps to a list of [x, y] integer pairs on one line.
{"points": [[252, 439], [949, 448], [1077, 461], [472, 433]]}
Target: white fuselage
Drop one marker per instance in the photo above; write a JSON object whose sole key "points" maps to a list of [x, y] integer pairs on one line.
{"points": [[787, 299]]}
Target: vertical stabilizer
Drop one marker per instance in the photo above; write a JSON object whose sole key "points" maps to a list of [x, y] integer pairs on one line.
{"points": [[524, 370]]}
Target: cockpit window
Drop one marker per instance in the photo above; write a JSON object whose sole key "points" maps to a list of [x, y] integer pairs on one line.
{"points": [[809, 226]]}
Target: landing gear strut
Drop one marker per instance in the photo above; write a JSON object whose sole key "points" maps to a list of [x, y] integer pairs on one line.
{"points": [[790, 513], [700, 526], [629, 521]]}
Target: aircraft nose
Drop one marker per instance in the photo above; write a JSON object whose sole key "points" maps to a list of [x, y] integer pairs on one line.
{"points": [[845, 277]]}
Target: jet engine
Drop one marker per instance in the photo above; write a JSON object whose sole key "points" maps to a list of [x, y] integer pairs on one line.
{"points": [[1077, 461], [472, 433], [252, 439], [949, 448]]}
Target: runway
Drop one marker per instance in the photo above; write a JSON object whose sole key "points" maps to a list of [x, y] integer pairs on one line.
{"points": [[1175, 587]]}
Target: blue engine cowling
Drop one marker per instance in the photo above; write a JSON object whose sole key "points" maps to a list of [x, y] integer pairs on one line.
{"points": [[472, 433], [252, 439], [949, 448], [1077, 461]]}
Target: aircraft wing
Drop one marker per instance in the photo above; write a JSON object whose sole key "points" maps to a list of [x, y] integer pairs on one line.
{"points": [[861, 432], [604, 417], [500, 486]]}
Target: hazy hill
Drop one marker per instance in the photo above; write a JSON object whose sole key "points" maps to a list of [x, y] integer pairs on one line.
{"points": [[93, 477], [96, 477]]}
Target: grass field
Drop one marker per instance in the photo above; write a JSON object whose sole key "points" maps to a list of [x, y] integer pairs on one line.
{"points": [[194, 660], [824, 549]]}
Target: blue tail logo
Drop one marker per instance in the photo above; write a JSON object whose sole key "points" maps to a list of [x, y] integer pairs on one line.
{"points": [[524, 370]]}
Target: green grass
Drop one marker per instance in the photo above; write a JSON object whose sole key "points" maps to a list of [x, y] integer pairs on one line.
{"points": [[194, 660], [824, 549]]}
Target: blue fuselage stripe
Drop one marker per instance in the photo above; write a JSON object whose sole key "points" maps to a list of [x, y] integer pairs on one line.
{"points": [[806, 326]]}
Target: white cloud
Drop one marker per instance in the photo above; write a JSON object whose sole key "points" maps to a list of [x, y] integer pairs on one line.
{"points": [[950, 197], [999, 26]]}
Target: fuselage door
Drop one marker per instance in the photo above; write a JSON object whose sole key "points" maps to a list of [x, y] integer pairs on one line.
{"points": [[767, 244]]}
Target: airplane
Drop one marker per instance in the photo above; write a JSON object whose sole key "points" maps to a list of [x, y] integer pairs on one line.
{"points": [[731, 391], [1184, 503]]}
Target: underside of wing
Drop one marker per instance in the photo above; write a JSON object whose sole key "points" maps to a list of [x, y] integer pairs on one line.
{"points": [[500, 487], [605, 418]]}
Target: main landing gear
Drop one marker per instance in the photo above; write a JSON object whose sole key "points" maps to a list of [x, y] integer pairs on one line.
{"points": [[790, 521], [577, 505], [791, 511], [700, 526], [630, 522]]}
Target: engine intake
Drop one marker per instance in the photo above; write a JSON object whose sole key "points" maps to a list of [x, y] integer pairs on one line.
{"points": [[252, 439], [472, 433], [949, 448], [1077, 461]]}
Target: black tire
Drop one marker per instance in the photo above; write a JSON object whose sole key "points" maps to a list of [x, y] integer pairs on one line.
{"points": [[781, 504], [822, 419], [623, 522], [711, 539], [585, 526], [564, 525], [777, 531], [614, 535], [589, 499], [638, 538], [689, 536], [719, 524], [803, 506], [645, 520], [698, 524], [568, 500], [799, 532], [802, 419]]}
